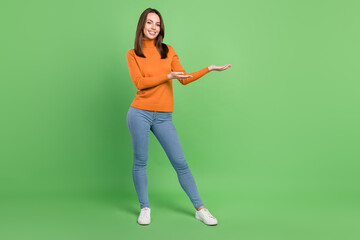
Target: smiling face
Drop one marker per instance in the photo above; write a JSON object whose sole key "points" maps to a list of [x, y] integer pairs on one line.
{"points": [[152, 26]]}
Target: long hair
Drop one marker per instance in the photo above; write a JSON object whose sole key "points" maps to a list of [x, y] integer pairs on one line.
{"points": [[138, 45]]}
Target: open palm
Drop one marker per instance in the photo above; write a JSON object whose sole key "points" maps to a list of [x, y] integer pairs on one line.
{"points": [[219, 68]]}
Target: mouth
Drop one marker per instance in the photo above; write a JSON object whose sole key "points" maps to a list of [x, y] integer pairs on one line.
{"points": [[152, 33]]}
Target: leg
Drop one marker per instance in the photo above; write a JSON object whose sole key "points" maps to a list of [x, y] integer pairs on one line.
{"points": [[139, 126], [165, 131]]}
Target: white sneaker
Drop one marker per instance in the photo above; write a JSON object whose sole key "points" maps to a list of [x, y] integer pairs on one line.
{"points": [[205, 216], [144, 216]]}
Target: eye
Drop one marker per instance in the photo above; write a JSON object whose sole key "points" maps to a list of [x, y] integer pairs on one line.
{"points": [[156, 25]]}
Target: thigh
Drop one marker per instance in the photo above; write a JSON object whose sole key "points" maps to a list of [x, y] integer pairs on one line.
{"points": [[166, 133], [138, 122]]}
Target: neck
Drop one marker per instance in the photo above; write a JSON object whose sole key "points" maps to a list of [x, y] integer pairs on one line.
{"points": [[148, 43]]}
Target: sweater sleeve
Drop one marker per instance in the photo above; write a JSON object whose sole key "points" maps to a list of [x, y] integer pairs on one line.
{"points": [[177, 67], [139, 81]]}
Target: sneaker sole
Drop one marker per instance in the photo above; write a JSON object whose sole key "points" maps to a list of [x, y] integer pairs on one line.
{"points": [[143, 223], [210, 224]]}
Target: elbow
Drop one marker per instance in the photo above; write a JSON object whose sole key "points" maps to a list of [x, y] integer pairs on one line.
{"points": [[139, 85]]}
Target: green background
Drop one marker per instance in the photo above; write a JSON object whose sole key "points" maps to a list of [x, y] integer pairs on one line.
{"points": [[272, 142]]}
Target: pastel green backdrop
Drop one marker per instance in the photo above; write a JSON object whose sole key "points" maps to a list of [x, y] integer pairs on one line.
{"points": [[272, 141]]}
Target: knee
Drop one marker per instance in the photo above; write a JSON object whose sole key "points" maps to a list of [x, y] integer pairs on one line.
{"points": [[140, 161], [180, 165]]}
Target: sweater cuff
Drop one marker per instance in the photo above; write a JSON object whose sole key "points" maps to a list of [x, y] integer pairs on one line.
{"points": [[206, 70]]}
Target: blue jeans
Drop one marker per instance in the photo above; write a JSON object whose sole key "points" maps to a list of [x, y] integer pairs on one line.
{"points": [[140, 122]]}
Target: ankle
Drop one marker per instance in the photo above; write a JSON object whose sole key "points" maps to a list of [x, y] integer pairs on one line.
{"points": [[198, 209]]}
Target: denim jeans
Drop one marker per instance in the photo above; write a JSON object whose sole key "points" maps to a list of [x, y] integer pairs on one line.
{"points": [[140, 122]]}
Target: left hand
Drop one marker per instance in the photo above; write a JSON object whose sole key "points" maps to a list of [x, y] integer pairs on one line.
{"points": [[219, 68]]}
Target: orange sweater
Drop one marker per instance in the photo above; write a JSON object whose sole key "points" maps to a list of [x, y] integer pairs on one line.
{"points": [[150, 77]]}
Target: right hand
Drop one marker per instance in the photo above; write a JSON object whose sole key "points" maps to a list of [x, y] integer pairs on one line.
{"points": [[178, 75]]}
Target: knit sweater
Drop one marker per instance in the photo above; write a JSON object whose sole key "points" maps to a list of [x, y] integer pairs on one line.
{"points": [[150, 77]]}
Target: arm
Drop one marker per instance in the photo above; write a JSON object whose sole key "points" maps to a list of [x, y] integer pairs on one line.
{"points": [[177, 67], [139, 81]]}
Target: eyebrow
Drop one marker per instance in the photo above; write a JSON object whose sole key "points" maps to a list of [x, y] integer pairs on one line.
{"points": [[151, 20]]}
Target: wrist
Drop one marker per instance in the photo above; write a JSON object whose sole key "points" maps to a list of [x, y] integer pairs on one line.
{"points": [[209, 67]]}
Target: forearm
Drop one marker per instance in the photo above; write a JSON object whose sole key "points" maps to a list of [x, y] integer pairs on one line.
{"points": [[149, 82], [195, 75]]}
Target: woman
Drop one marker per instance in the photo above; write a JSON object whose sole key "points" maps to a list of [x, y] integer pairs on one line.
{"points": [[152, 66]]}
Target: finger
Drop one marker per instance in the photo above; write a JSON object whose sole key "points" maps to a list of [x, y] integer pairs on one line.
{"points": [[181, 75], [186, 76]]}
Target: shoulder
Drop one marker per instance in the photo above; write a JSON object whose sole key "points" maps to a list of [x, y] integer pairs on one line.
{"points": [[170, 47], [171, 50], [130, 51]]}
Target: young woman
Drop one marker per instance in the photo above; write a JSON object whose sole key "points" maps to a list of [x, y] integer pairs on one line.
{"points": [[152, 66]]}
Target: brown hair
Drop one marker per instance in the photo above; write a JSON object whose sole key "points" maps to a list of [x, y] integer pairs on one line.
{"points": [[162, 48]]}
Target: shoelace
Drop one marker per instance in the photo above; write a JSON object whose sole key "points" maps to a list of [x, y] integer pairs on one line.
{"points": [[144, 212]]}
